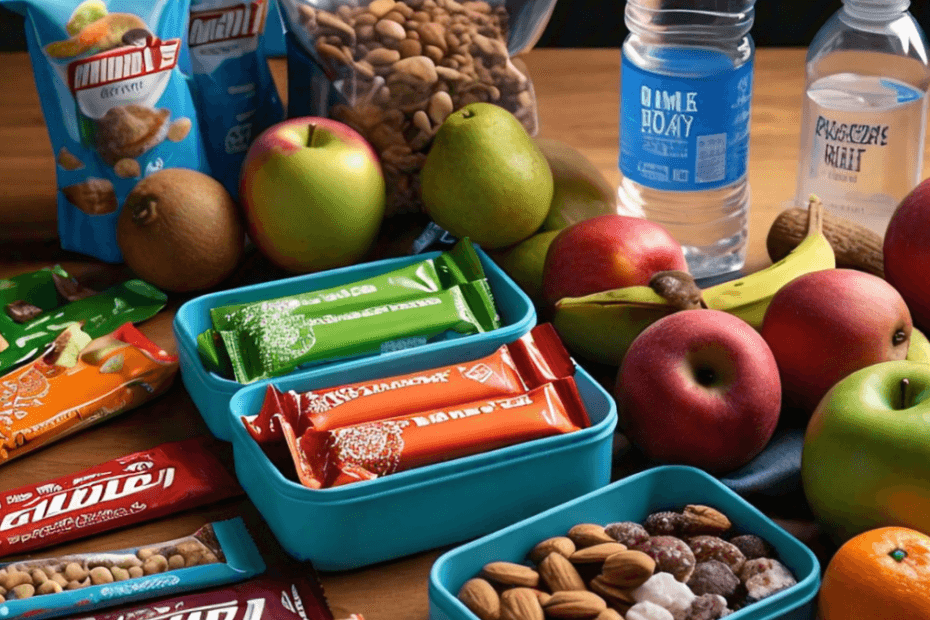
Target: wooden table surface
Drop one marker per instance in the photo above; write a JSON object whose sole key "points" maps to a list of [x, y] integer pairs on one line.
{"points": [[577, 91]]}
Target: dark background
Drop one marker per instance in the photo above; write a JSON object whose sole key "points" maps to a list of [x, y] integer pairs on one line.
{"points": [[599, 23]]}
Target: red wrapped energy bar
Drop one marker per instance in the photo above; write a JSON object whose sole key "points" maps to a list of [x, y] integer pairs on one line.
{"points": [[130, 489], [537, 358], [366, 451], [264, 598]]}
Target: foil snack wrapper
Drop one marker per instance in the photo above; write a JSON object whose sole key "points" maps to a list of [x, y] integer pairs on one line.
{"points": [[116, 105], [138, 487], [219, 553]]}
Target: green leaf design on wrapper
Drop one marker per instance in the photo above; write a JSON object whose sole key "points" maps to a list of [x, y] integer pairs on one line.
{"points": [[281, 344]]}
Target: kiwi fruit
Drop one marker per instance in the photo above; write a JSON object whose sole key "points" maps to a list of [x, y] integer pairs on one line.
{"points": [[180, 230]]}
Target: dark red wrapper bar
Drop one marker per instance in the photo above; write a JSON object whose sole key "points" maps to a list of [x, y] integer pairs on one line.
{"points": [[264, 598], [139, 487]]}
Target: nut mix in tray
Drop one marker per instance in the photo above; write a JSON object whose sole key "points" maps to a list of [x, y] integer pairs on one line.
{"points": [[687, 565], [401, 67]]}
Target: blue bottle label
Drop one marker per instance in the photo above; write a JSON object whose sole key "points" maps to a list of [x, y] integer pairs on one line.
{"points": [[684, 133]]}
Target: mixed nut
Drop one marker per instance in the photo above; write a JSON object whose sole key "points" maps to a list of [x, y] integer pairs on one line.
{"points": [[404, 66], [687, 565]]}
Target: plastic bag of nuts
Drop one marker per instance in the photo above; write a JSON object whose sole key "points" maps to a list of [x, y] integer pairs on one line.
{"points": [[395, 69]]}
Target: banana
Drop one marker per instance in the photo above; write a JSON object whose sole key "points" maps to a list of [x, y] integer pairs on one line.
{"points": [[919, 348], [601, 327]]}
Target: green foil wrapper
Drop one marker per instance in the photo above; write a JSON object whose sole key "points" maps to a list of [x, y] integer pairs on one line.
{"points": [[99, 314], [282, 342]]}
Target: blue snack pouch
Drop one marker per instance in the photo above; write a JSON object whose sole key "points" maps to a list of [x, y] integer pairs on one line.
{"points": [[235, 93], [115, 102]]}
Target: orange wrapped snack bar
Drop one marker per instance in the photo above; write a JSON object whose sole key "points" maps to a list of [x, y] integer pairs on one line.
{"points": [[77, 383], [536, 358], [366, 451]]}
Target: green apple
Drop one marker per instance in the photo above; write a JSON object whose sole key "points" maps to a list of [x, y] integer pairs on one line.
{"points": [[485, 177], [524, 262], [866, 456], [313, 194]]}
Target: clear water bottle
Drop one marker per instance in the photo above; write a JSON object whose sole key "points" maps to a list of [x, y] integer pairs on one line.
{"points": [[686, 89], [865, 111]]}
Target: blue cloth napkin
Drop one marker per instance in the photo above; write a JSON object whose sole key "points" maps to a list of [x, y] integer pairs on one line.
{"points": [[776, 471]]}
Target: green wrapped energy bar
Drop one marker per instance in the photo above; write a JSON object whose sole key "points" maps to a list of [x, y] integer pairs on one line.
{"points": [[458, 266], [284, 341], [37, 306]]}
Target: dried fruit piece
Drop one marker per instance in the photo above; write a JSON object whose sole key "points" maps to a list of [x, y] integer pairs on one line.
{"points": [[510, 574], [559, 574], [713, 577], [22, 311], [671, 555], [574, 604], [752, 546], [68, 160], [707, 607], [774, 579], [520, 604], [664, 524], [715, 548], [628, 569], [94, 196], [627, 533], [70, 289], [481, 598], [698, 519], [558, 544], [596, 554], [589, 534], [127, 168], [179, 129]]}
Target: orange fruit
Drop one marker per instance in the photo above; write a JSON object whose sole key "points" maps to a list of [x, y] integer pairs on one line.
{"points": [[881, 574]]}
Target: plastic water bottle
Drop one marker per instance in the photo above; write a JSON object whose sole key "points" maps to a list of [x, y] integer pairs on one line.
{"points": [[865, 111], [686, 89]]}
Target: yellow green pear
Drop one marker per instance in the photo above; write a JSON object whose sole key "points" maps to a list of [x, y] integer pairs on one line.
{"points": [[486, 178], [580, 191], [524, 262]]}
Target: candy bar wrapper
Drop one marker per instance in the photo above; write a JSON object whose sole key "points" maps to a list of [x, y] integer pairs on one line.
{"points": [[536, 358], [366, 451], [77, 383], [282, 343], [116, 105], [131, 489], [263, 598], [233, 88], [217, 554], [57, 301], [459, 265]]}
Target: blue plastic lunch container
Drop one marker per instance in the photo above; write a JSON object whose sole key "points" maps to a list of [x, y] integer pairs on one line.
{"points": [[632, 499], [211, 393], [363, 523]]}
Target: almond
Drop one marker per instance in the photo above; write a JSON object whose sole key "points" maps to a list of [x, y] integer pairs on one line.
{"points": [[481, 598], [610, 592], [609, 614], [589, 534], [596, 554], [574, 604], [559, 574], [559, 544], [628, 569], [698, 519], [520, 604], [510, 574]]}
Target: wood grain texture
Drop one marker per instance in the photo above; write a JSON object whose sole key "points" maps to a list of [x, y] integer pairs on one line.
{"points": [[577, 91]]}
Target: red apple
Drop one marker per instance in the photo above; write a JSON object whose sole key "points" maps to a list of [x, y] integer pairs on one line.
{"points": [[606, 252], [906, 251], [701, 388], [828, 324], [313, 194]]}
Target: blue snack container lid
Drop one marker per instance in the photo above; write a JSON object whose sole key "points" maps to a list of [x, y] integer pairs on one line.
{"points": [[631, 499]]}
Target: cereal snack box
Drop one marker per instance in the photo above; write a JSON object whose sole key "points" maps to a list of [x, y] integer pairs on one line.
{"points": [[116, 104]]}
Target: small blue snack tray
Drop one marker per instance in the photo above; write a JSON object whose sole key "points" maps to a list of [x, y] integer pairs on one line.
{"points": [[631, 499], [366, 522], [211, 393], [242, 561]]}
